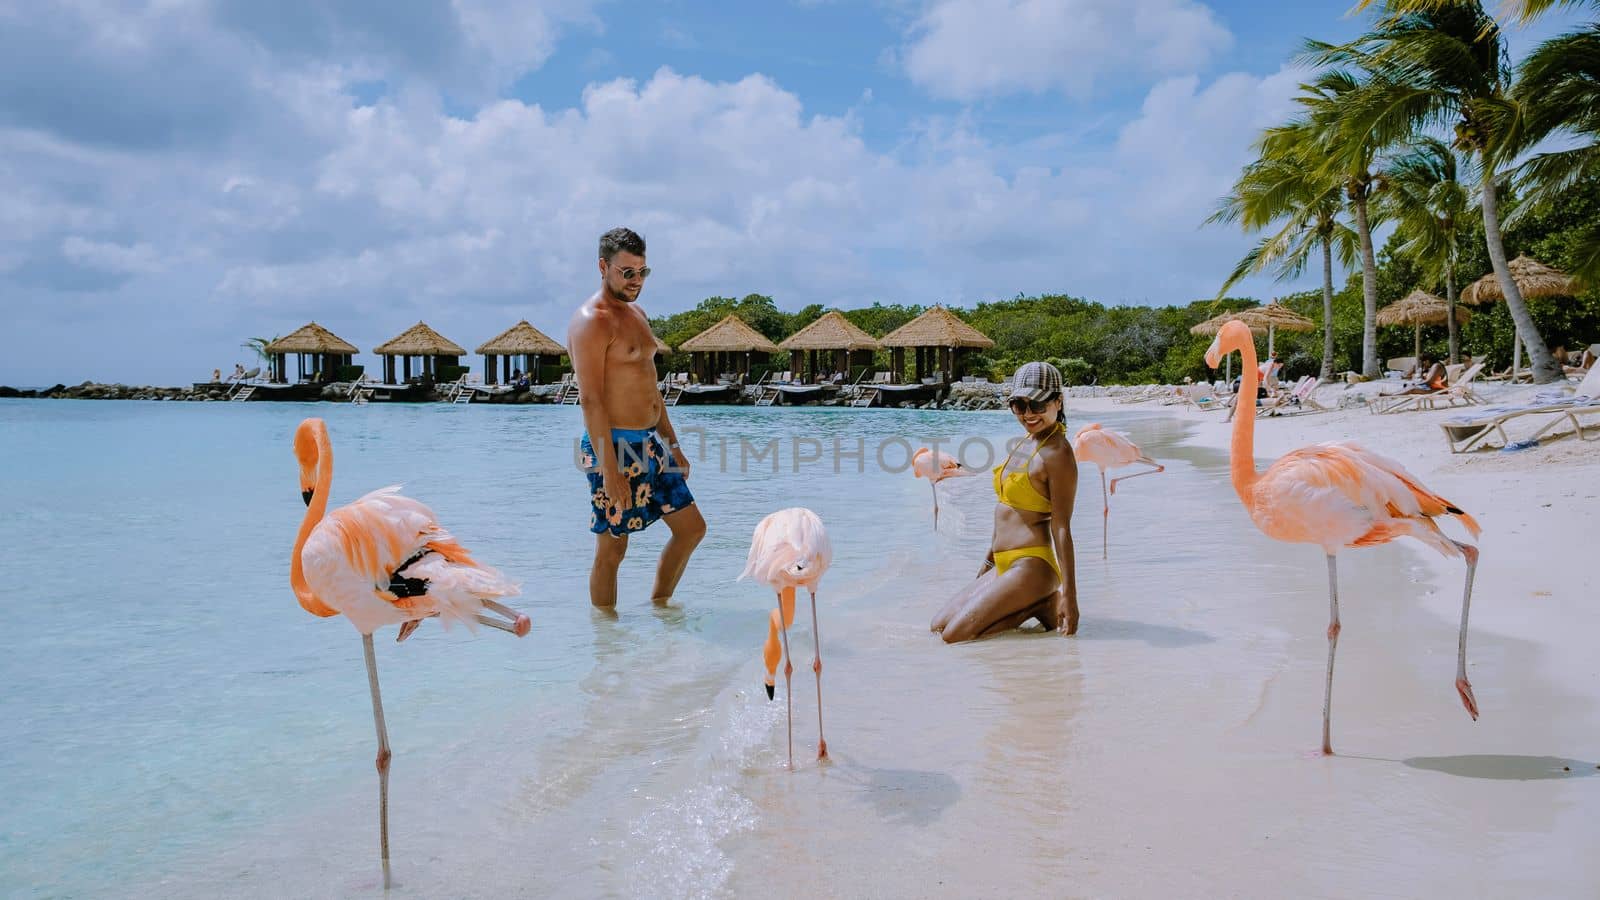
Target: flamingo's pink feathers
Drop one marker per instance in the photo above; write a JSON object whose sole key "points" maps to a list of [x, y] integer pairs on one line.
{"points": [[1105, 449], [1341, 494], [351, 554], [790, 547], [936, 465]]}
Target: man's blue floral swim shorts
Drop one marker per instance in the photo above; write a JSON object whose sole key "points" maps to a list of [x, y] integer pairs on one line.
{"points": [[658, 488]]}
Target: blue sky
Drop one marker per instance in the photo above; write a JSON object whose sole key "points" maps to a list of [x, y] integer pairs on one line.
{"points": [[179, 175]]}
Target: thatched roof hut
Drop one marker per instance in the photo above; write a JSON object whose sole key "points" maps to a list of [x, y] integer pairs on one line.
{"points": [[327, 353], [941, 341], [1417, 309], [1214, 324], [433, 350], [1533, 279], [727, 348], [832, 334], [1276, 317], [520, 340]]}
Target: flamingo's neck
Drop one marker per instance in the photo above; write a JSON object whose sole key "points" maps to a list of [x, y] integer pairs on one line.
{"points": [[1242, 463], [314, 514]]}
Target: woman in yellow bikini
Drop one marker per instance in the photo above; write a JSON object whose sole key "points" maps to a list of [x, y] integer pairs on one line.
{"points": [[1029, 572]]}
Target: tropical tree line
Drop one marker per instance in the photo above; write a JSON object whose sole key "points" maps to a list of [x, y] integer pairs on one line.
{"points": [[1094, 343], [1425, 122]]}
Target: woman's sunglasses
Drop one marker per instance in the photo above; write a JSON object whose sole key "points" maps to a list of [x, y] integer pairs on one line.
{"points": [[1019, 404]]}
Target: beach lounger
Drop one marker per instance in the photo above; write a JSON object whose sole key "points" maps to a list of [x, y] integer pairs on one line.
{"points": [[1581, 411], [1467, 433], [1458, 393], [1298, 399]]}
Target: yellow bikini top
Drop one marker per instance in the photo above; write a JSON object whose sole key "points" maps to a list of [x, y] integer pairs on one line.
{"points": [[1016, 490]]}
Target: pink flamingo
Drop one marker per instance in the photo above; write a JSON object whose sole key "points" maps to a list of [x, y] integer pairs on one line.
{"points": [[790, 549], [1109, 450], [1338, 494], [936, 467], [384, 560]]}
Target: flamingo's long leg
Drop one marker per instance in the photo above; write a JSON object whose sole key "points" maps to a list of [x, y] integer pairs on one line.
{"points": [[1333, 644], [935, 486], [518, 624], [816, 666], [1144, 461], [1464, 687], [772, 651], [788, 667], [383, 756], [1105, 515]]}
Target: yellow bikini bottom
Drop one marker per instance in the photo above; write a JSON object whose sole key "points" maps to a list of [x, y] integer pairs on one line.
{"points": [[1005, 559]]}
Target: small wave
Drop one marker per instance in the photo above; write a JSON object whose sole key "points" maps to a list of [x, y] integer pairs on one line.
{"points": [[682, 834]]}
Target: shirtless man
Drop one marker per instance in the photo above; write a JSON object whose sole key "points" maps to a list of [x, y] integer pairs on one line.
{"points": [[636, 470]]}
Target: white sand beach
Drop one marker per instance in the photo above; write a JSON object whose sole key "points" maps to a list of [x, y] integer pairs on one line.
{"points": [[1419, 800]]}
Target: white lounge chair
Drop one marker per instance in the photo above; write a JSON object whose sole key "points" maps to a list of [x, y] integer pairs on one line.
{"points": [[1466, 433], [1457, 393]]}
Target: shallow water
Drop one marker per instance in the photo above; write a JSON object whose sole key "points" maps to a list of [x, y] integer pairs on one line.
{"points": [[177, 726]]}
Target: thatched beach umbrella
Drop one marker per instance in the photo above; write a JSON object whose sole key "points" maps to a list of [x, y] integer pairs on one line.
{"points": [[848, 343], [726, 347], [1211, 326], [939, 338], [522, 340], [662, 347], [327, 350], [420, 341], [1420, 308], [1275, 317], [1533, 279]]}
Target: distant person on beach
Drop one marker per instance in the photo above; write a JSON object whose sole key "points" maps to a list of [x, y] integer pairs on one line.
{"points": [[1433, 376], [216, 376], [1030, 572], [238, 372], [636, 471]]}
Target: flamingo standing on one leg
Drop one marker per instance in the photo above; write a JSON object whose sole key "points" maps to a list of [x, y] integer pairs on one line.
{"points": [[384, 560], [1338, 494], [790, 549], [1109, 450], [936, 467]]}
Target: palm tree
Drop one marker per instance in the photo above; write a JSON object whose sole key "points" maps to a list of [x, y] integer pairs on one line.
{"points": [[1349, 160], [1431, 205], [258, 346], [1438, 67], [1290, 193], [1523, 11], [1559, 88]]}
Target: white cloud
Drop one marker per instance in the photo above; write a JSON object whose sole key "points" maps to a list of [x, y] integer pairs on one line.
{"points": [[368, 215], [969, 49], [135, 259]]}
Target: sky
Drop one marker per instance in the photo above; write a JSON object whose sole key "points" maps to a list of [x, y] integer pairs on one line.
{"points": [[177, 176]]}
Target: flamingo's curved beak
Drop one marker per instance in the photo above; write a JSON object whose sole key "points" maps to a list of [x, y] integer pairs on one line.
{"points": [[771, 690], [306, 496]]}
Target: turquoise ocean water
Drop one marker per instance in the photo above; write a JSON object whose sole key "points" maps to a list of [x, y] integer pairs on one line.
{"points": [[175, 725]]}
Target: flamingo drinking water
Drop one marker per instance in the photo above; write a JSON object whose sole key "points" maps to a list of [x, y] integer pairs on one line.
{"points": [[790, 549], [1109, 450], [1334, 495], [384, 560]]}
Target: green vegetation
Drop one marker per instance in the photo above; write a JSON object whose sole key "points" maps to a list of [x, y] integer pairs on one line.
{"points": [[1423, 122], [1092, 343]]}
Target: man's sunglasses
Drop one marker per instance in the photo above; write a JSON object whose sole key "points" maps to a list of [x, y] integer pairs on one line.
{"points": [[1018, 404], [630, 273]]}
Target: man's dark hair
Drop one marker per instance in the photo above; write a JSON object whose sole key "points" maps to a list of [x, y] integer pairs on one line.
{"points": [[620, 239]]}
